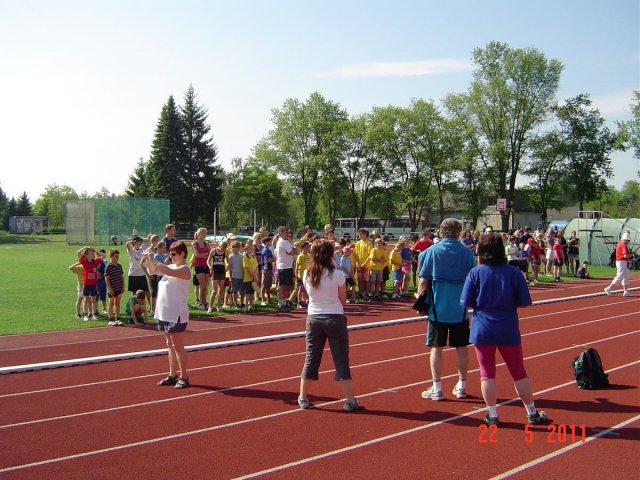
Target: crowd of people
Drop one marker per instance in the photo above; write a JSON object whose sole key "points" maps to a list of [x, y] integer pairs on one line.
{"points": [[452, 271]]}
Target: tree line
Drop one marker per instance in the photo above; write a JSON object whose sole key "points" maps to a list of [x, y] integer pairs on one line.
{"points": [[318, 162]]}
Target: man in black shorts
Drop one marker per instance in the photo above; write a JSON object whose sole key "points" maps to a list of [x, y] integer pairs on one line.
{"points": [[443, 270]]}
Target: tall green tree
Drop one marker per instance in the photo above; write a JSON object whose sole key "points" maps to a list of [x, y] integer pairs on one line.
{"points": [[51, 203], [307, 137], [201, 175], [510, 95], [137, 185], [12, 211], [23, 205], [230, 209], [165, 171], [4, 201], [547, 169], [586, 145], [362, 165]]}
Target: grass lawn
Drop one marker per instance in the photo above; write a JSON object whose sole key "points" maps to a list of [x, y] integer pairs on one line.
{"points": [[38, 292]]}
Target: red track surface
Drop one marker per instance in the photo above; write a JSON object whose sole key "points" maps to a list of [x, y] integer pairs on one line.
{"points": [[110, 420]]}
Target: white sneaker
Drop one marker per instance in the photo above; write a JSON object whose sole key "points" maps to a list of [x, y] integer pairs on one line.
{"points": [[627, 293], [209, 310], [85, 318], [608, 291], [264, 304], [93, 317], [351, 405], [459, 391], [432, 394]]}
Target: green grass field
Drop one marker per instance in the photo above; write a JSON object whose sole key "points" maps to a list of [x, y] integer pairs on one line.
{"points": [[38, 292]]}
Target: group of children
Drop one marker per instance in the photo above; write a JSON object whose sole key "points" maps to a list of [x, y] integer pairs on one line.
{"points": [[98, 280]]}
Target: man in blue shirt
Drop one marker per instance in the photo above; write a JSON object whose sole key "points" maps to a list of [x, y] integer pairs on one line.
{"points": [[443, 270]]}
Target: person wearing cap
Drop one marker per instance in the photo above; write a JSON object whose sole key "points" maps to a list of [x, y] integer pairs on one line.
{"points": [[623, 255], [137, 277]]}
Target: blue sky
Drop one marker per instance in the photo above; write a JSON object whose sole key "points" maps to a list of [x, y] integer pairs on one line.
{"points": [[82, 83]]}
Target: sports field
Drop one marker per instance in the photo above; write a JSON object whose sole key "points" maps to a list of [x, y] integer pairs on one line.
{"points": [[38, 292], [240, 418]]}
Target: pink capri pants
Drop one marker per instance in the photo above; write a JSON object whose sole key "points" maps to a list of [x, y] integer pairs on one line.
{"points": [[512, 356]]}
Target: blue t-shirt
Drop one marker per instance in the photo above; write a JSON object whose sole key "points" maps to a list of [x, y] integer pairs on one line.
{"points": [[346, 266], [494, 292], [264, 256], [446, 264]]}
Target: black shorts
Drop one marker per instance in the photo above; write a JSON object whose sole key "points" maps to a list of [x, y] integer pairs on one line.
{"points": [[513, 263], [115, 293], [385, 274], [136, 283], [90, 290], [204, 270], [524, 267], [154, 285], [558, 263], [349, 281], [456, 333], [246, 288], [236, 285], [169, 327], [285, 277]]}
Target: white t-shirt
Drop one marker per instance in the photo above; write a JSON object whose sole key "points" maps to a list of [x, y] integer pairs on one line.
{"points": [[325, 299], [283, 259], [135, 269], [172, 299]]}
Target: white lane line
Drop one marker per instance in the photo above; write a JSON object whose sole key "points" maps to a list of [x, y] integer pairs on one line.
{"points": [[568, 448], [289, 412], [128, 379], [224, 327], [230, 343], [296, 377], [404, 432], [194, 369]]}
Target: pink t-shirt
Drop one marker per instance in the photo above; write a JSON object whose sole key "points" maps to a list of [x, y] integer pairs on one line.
{"points": [[201, 261]]}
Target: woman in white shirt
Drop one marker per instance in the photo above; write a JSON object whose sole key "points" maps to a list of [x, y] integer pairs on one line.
{"points": [[172, 310], [325, 285]]}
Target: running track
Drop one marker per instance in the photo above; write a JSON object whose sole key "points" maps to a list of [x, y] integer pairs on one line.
{"points": [[240, 419]]}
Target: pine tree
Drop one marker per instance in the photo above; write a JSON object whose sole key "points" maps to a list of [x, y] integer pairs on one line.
{"points": [[23, 206], [4, 203], [12, 210], [137, 186], [201, 174], [165, 170]]}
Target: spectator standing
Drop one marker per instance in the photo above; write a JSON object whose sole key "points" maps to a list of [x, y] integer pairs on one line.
{"points": [[249, 274], [495, 291], [362, 249], [102, 285], [443, 270], [170, 235], [200, 256], [417, 248], [77, 269], [558, 259], [267, 270], [378, 259], [284, 253], [325, 285], [137, 277], [114, 278], [88, 258], [573, 252], [623, 255], [217, 266], [236, 273]]}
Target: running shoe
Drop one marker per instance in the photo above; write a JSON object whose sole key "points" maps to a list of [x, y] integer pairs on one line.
{"points": [[169, 380], [351, 405], [608, 291], [85, 318], [182, 383], [304, 403], [431, 394], [459, 391], [627, 293], [491, 421], [538, 418]]}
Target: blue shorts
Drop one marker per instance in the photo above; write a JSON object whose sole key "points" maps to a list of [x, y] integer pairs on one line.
{"points": [[102, 289], [169, 327], [397, 275]]}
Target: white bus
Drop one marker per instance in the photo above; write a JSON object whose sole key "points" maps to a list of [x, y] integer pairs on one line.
{"points": [[394, 228]]}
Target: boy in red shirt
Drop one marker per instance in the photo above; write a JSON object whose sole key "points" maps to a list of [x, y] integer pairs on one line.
{"points": [[88, 258]]}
